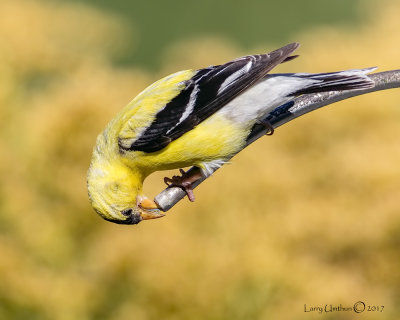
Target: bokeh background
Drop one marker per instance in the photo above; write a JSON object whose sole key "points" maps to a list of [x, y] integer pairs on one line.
{"points": [[308, 216]]}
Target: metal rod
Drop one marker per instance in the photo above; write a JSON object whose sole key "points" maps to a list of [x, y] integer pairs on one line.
{"points": [[288, 112]]}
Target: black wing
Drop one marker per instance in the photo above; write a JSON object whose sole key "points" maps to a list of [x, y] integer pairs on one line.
{"points": [[205, 93]]}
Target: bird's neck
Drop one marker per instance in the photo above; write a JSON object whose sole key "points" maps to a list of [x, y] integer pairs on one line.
{"points": [[108, 167]]}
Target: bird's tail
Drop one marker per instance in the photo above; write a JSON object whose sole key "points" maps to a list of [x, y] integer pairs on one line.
{"points": [[334, 81]]}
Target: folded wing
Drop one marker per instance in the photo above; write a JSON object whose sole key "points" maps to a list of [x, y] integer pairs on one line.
{"points": [[204, 94]]}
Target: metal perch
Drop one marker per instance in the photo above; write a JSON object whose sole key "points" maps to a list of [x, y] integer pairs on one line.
{"points": [[285, 113]]}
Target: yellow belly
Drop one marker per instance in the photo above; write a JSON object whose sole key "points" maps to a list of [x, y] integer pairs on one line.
{"points": [[213, 139]]}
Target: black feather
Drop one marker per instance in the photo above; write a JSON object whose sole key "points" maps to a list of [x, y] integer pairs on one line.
{"points": [[205, 94]]}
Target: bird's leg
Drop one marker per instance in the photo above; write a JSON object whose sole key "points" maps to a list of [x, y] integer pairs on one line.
{"points": [[185, 181], [267, 125]]}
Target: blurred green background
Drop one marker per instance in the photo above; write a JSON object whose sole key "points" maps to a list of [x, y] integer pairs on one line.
{"points": [[157, 24], [308, 216]]}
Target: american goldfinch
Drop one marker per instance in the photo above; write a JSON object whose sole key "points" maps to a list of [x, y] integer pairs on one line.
{"points": [[193, 118]]}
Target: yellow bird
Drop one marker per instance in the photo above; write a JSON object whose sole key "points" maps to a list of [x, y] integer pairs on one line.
{"points": [[193, 118]]}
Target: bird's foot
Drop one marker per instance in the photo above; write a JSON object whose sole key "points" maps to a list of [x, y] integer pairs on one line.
{"points": [[267, 125], [185, 182]]}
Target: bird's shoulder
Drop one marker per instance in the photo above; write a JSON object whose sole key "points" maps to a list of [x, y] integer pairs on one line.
{"points": [[142, 110]]}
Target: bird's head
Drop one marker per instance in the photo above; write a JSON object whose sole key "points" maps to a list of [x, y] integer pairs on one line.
{"points": [[115, 193]]}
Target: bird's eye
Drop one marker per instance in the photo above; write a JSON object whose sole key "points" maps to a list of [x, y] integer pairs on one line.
{"points": [[127, 212]]}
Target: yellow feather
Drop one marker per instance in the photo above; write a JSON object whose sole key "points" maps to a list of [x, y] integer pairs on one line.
{"points": [[213, 139], [141, 111], [115, 178]]}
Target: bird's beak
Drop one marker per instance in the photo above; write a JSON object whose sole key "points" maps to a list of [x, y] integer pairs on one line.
{"points": [[151, 214], [149, 210]]}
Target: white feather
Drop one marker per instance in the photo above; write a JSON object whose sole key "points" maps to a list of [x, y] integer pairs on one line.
{"points": [[268, 94], [189, 108], [231, 79], [207, 168]]}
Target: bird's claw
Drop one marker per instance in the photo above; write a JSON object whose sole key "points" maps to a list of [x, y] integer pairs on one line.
{"points": [[184, 182], [267, 125]]}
